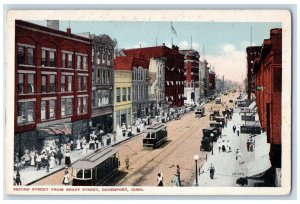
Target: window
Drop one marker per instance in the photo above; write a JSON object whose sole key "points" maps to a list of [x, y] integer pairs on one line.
{"points": [[98, 57], [84, 83], [63, 60], [20, 83], [70, 87], [79, 83], [26, 112], [52, 108], [129, 94], [124, 94], [85, 63], [30, 56], [108, 58], [43, 58], [103, 56], [44, 85], [103, 98], [78, 62], [118, 95], [93, 54], [94, 98], [103, 80], [129, 116], [70, 60], [43, 110], [52, 59], [30, 86], [52, 83], [66, 106], [108, 76], [63, 83], [118, 118], [79, 105], [21, 55], [85, 107]]}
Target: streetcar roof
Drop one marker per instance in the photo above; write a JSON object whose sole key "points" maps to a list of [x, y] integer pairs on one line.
{"points": [[155, 128], [95, 158]]}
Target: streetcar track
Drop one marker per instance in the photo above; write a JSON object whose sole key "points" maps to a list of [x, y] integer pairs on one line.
{"points": [[170, 148]]}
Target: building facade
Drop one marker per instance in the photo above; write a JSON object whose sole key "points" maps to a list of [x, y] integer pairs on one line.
{"points": [[192, 78], [140, 88], [53, 86], [268, 72], [203, 77], [123, 89], [103, 82], [211, 83], [252, 53], [173, 71]]}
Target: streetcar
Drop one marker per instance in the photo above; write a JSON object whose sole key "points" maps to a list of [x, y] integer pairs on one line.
{"points": [[96, 168], [155, 135], [200, 111]]}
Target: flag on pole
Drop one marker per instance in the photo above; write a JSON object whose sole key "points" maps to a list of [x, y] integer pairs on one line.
{"points": [[173, 30]]}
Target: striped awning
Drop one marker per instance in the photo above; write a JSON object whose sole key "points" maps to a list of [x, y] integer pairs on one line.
{"points": [[259, 166]]}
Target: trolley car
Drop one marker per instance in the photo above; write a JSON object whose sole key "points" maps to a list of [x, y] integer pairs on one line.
{"points": [[96, 168], [155, 135]]}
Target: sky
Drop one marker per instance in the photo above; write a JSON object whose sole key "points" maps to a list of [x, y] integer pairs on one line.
{"points": [[222, 44]]}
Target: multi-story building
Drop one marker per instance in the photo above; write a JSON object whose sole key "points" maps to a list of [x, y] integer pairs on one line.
{"points": [[203, 72], [102, 81], [211, 83], [171, 64], [252, 53], [140, 87], [268, 72], [53, 85], [191, 73], [123, 89]]}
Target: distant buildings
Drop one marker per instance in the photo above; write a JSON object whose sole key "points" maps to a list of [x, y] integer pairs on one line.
{"points": [[203, 79], [192, 78], [211, 83], [53, 96], [166, 75]]}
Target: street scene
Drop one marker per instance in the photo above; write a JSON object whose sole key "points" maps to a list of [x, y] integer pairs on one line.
{"points": [[110, 107]]}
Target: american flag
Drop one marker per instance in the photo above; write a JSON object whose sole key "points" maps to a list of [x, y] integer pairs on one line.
{"points": [[173, 29]]}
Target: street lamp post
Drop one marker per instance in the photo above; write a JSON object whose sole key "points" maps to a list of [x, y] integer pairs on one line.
{"points": [[212, 143], [196, 157]]}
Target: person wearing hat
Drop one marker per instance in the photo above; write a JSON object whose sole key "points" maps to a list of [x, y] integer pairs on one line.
{"points": [[66, 180]]}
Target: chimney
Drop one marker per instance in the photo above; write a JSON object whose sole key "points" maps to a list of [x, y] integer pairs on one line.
{"points": [[69, 30], [54, 24], [163, 44]]}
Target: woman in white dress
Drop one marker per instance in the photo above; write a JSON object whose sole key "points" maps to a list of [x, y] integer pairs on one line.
{"points": [[32, 157], [52, 161], [66, 177], [78, 147]]}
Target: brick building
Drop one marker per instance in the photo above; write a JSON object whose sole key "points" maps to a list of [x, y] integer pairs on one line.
{"points": [[191, 73], [211, 83], [53, 86], [252, 53], [268, 72], [173, 67]]}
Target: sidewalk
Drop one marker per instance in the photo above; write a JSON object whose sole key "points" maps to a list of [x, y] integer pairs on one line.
{"points": [[30, 174], [227, 168]]}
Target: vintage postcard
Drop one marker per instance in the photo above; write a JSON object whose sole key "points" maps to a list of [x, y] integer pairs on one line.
{"points": [[148, 102]]}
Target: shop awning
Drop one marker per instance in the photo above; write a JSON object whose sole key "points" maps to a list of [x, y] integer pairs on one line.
{"points": [[252, 105], [259, 166], [262, 148], [65, 128]]}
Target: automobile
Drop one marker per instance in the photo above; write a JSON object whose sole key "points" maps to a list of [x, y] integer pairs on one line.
{"points": [[218, 100], [200, 111], [214, 114], [208, 139]]}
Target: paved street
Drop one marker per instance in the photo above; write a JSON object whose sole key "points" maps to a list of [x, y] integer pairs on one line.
{"points": [[184, 138]]}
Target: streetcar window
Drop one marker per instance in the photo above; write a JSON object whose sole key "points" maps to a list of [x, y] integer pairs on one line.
{"points": [[79, 173], [87, 173], [153, 135], [148, 136]]}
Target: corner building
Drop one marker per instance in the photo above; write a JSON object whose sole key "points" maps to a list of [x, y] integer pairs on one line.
{"points": [[53, 86]]}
